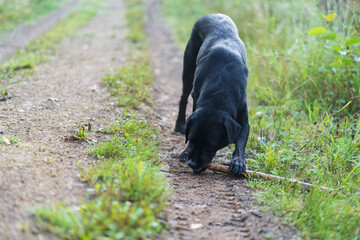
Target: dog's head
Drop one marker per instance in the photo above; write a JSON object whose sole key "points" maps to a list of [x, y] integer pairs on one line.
{"points": [[207, 131]]}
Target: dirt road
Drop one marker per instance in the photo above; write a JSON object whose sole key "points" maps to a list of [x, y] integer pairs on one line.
{"points": [[42, 168]]}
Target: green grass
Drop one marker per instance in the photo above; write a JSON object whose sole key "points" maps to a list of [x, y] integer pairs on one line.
{"points": [[136, 17], [128, 189], [43, 48], [133, 79], [297, 88], [14, 12], [132, 83]]}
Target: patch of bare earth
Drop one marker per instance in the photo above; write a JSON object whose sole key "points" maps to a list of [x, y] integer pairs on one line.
{"points": [[208, 205], [42, 169]]}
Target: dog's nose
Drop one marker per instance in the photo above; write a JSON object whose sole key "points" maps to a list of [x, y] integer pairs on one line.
{"points": [[192, 164]]}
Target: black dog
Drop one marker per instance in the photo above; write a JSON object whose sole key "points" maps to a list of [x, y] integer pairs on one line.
{"points": [[215, 73]]}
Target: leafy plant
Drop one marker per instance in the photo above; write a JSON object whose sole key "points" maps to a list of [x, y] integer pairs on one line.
{"points": [[343, 50], [80, 133]]}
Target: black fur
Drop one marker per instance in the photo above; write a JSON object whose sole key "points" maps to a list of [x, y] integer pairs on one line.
{"points": [[215, 73]]}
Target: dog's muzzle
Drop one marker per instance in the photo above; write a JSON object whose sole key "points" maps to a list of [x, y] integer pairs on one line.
{"points": [[195, 167]]}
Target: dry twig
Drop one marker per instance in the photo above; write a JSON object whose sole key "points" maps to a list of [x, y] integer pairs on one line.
{"points": [[225, 169]]}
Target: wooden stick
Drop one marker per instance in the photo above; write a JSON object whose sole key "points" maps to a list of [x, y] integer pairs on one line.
{"points": [[225, 169]]}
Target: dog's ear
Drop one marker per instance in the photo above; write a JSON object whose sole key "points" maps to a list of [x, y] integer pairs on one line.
{"points": [[232, 129], [189, 122]]}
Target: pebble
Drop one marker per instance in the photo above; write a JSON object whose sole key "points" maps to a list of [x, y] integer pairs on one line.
{"points": [[80, 185], [3, 129], [196, 226], [179, 205]]}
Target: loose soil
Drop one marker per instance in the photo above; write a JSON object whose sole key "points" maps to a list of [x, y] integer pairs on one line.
{"points": [[43, 169]]}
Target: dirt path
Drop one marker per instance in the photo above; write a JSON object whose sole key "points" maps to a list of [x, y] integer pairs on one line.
{"points": [[42, 168], [209, 205], [23, 34]]}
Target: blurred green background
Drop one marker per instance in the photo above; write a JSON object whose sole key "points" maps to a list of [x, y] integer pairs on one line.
{"points": [[14, 12]]}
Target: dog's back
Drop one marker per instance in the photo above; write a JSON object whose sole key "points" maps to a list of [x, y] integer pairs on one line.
{"points": [[215, 69], [216, 30], [220, 64]]}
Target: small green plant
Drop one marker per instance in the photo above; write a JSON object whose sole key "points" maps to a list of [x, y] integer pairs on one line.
{"points": [[5, 94], [337, 43], [343, 50], [80, 133], [9, 139]]}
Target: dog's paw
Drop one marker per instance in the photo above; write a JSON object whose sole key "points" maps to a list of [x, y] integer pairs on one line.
{"points": [[184, 156], [237, 166], [180, 127]]}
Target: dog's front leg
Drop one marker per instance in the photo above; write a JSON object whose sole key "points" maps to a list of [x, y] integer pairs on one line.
{"points": [[237, 164]]}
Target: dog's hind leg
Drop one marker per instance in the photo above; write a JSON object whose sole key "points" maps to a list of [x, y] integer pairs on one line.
{"points": [[190, 56]]}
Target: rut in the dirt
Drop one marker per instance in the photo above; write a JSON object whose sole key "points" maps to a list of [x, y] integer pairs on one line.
{"points": [[209, 205], [42, 169]]}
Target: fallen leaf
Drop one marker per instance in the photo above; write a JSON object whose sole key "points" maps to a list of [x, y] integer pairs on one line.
{"points": [[75, 138], [6, 140], [69, 138]]}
